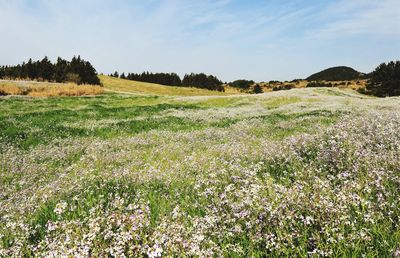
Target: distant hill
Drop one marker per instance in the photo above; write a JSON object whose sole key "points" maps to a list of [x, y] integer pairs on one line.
{"points": [[339, 73]]}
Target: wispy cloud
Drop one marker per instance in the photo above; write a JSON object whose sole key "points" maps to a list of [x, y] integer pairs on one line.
{"points": [[261, 40]]}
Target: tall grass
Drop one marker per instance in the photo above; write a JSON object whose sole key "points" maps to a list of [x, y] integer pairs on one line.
{"points": [[41, 90]]}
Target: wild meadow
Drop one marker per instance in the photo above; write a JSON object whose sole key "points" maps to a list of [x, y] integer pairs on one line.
{"points": [[46, 89], [298, 173]]}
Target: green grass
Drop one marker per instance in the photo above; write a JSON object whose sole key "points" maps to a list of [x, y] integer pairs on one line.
{"points": [[29, 122]]}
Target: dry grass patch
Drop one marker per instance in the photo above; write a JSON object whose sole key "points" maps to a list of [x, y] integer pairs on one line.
{"points": [[35, 89], [9, 89]]}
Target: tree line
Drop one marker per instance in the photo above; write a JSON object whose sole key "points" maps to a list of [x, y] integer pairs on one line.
{"points": [[385, 80], [170, 79], [77, 70], [200, 80]]}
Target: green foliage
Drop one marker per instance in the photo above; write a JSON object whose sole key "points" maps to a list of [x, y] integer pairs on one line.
{"points": [[170, 79], [385, 80], [283, 87], [203, 81], [257, 89], [84, 72], [315, 84], [241, 84]]}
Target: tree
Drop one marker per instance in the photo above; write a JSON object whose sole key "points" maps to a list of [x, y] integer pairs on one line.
{"points": [[31, 69], [61, 70], [171, 79], [2, 72], [385, 80], [46, 69], [202, 80], [78, 71], [123, 76], [241, 84]]}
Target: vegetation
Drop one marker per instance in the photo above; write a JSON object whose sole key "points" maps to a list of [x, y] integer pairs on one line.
{"points": [[77, 71], [171, 79], [117, 85], [203, 81], [282, 86], [319, 84], [242, 84], [385, 80], [257, 89], [33, 89], [301, 173], [339, 73]]}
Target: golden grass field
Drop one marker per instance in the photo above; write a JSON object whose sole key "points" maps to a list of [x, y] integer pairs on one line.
{"points": [[126, 86], [44, 89]]}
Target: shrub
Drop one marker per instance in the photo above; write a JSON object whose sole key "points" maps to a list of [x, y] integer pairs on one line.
{"points": [[257, 89], [241, 84], [283, 87], [314, 84]]}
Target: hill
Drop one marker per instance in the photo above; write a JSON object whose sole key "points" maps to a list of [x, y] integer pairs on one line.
{"points": [[117, 85], [339, 73]]}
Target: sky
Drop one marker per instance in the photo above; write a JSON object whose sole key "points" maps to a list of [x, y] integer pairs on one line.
{"points": [[232, 39]]}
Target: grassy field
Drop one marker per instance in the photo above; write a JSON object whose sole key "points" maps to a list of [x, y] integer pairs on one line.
{"points": [[304, 172], [46, 89], [117, 85]]}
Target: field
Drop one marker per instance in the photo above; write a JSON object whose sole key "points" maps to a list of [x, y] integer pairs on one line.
{"points": [[117, 85], [303, 172], [46, 89]]}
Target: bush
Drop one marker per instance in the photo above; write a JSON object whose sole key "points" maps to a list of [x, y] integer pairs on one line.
{"points": [[318, 84], [241, 84], [257, 89], [283, 87], [385, 80]]}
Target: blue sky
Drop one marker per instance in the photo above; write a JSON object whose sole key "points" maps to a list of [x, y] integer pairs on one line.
{"points": [[233, 39]]}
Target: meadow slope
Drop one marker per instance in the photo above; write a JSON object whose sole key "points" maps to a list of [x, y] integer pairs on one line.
{"points": [[117, 85], [305, 172]]}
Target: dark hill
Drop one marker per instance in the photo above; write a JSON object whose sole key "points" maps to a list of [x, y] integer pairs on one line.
{"points": [[339, 73]]}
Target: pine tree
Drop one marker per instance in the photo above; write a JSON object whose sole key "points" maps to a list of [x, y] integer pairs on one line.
{"points": [[61, 70], [46, 69], [385, 80]]}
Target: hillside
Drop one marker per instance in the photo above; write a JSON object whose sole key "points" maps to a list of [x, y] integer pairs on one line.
{"points": [[117, 85], [339, 73]]}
